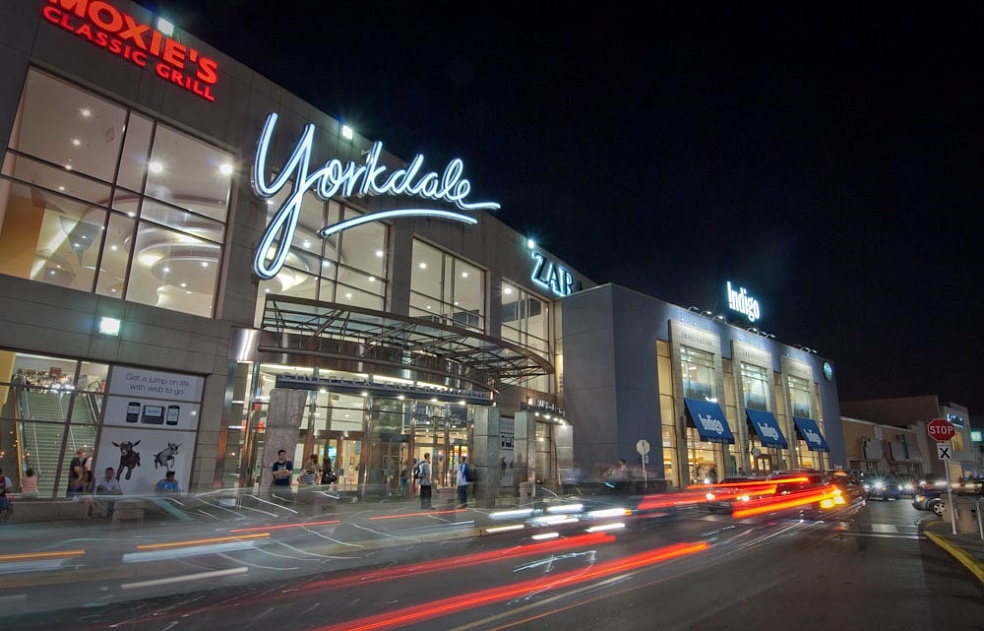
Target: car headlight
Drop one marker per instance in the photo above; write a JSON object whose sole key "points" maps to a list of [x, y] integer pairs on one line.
{"points": [[920, 498]]}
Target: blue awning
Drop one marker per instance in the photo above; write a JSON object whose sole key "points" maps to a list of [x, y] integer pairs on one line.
{"points": [[808, 431], [767, 428], [709, 420]]}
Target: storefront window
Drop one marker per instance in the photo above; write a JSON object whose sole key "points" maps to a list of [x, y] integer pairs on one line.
{"points": [[83, 176], [446, 289], [51, 408], [697, 369], [755, 387], [800, 401]]}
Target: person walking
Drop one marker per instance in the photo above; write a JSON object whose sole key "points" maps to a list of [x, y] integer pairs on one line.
{"points": [[75, 470], [109, 485], [425, 483], [464, 473]]}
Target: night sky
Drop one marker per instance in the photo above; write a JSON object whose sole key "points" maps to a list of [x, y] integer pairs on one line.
{"points": [[830, 162]]}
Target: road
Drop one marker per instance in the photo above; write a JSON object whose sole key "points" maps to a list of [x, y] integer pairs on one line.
{"points": [[684, 569]]}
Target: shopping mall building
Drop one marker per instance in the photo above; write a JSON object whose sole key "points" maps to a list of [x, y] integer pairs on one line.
{"points": [[199, 268]]}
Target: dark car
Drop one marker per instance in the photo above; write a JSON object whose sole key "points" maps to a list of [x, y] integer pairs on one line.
{"points": [[882, 486], [930, 499]]}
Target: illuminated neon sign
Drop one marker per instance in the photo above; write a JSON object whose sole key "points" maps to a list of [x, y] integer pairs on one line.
{"points": [[740, 301], [119, 33], [552, 276], [347, 179]]}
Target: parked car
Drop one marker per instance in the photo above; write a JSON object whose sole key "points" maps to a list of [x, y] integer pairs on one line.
{"points": [[883, 486], [930, 499]]}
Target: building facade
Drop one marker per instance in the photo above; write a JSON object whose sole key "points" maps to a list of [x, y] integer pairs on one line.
{"points": [[911, 444], [199, 268]]}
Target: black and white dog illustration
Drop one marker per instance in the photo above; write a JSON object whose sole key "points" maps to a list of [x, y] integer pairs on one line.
{"points": [[128, 458], [165, 457]]}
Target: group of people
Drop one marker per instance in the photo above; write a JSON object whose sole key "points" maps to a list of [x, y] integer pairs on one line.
{"points": [[423, 476], [312, 474]]}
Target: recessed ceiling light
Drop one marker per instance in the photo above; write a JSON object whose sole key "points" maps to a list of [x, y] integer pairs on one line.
{"points": [[76, 142], [204, 263], [423, 265], [156, 167], [464, 274], [379, 254], [85, 112], [225, 169], [183, 285], [167, 269]]}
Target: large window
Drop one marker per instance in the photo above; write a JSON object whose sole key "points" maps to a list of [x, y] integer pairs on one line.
{"points": [[446, 289], [755, 386], [525, 319], [98, 198], [348, 268], [800, 401], [697, 368]]}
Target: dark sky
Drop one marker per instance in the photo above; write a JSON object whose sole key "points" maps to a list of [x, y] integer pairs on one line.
{"points": [[828, 161]]}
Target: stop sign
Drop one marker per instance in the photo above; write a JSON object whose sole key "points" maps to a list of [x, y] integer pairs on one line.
{"points": [[941, 430]]}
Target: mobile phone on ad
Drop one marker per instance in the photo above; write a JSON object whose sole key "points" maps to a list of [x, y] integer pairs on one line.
{"points": [[133, 412], [153, 414], [172, 414]]}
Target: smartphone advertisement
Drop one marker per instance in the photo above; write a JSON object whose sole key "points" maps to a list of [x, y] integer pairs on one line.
{"points": [[151, 413]]}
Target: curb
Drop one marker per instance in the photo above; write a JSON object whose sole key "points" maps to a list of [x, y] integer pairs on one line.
{"points": [[974, 565]]}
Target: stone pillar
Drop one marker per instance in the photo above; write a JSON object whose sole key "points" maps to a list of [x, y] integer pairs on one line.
{"points": [[484, 454], [524, 448], [563, 436], [283, 428]]}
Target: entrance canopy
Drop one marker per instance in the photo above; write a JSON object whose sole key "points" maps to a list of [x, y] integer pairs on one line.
{"points": [[767, 428], [709, 420], [415, 345], [808, 431]]}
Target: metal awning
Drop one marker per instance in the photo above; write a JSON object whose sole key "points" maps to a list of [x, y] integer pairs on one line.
{"points": [[396, 341]]}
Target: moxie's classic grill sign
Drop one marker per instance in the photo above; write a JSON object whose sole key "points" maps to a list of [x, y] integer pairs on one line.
{"points": [[119, 33]]}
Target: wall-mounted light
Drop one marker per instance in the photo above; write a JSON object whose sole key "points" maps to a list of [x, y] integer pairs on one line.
{"points": [[109, 326], [165, 27], [530, 243], [347, 132]]}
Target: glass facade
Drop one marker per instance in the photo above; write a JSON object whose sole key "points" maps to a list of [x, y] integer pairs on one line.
{"points": [[349, 267], [98, 198], [446, 289]]}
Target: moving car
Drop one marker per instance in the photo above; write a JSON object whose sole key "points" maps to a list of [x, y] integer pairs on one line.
{"points": [[882, 486], [930, 499]]}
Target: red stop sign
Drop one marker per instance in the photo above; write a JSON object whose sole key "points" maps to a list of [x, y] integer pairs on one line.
{"points": [[941, 430]]}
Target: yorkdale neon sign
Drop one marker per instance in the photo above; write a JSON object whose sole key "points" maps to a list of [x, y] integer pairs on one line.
{"points": [[335, 178]]}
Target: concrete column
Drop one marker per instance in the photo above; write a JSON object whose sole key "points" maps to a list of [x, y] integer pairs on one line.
{"points": [[563, 436], [524, 448], [283, 428], [483, 453]]}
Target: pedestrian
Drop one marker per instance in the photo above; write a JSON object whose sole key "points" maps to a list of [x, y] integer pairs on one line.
{"points": [[6, 510], [283, 470], [106, 488], [75, 470], [167, 485], [328, 475], [29, 484], [464, 475], [309, 476], [403, 480], [5, 482], [425, 483]]}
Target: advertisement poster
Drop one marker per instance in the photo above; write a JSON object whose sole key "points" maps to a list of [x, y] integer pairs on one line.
{"points": [[141, 457], [150, 420]]}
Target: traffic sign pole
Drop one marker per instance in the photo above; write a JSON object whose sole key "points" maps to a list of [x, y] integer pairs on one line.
{"points": [[949, 497]]}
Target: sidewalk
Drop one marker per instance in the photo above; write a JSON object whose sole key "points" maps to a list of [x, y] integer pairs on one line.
{"points": [[968, 549]]}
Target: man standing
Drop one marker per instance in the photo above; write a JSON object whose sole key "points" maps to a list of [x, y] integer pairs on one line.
{"points": [[425, 482], [283, 469], [109, 485], [463, 483]]}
